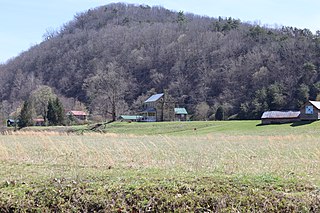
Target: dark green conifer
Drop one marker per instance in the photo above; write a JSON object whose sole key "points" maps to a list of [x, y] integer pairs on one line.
{"points": [[25, 117]]}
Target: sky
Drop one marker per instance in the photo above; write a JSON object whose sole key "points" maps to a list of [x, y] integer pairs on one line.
{"points": [[23, 23]]}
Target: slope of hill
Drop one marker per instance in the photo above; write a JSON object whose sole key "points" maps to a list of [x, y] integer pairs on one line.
{"points": [[203, 62]]}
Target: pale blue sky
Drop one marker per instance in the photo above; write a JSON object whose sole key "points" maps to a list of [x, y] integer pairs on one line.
{"points": [[22, 23]]}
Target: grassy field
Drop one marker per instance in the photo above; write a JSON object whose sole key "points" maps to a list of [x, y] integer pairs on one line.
{"points": [[225, 166], [213, 127]]}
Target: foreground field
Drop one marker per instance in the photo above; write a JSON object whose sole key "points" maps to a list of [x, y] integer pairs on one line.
{"points": [[207, 166]]}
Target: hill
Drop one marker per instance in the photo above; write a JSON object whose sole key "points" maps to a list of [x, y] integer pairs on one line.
{"points": [[135, 51]]}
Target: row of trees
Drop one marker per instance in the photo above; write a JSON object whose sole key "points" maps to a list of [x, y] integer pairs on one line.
{"points": [[51, 108], [112, 57]]}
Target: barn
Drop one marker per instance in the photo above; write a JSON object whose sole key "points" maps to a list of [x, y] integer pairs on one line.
{"points": [[81, 115], [39, 122], [310, 111], [279, 117]]}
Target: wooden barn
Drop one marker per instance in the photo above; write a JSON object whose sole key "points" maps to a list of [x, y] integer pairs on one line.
{"points": [[39, 122], [310, 111], [158, 107], [279, 117], [81, 115]]}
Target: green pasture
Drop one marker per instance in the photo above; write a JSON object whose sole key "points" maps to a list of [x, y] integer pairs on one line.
{"points": [[248, 127]]}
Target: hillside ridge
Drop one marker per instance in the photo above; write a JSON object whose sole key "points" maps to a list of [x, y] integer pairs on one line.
{"points": [[203, 62]]}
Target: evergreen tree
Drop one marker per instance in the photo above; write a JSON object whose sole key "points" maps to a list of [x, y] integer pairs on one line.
{"points": [[181, 17], [219, 114], [51, 113], [59, 111], [25, 117], [55, 112]]}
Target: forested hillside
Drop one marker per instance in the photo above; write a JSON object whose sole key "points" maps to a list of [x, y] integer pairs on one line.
{"points": [[116, 55]]}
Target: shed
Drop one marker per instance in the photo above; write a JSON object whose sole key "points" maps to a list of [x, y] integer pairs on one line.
{"points": [[130, 118], [11, 122], [180, 114], [81, 115], [278, 117], [38, 122], [310, 111]]}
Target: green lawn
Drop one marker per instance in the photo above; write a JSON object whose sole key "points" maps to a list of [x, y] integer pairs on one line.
{"points": [[251, 127], [244, 127], [226, 166]]}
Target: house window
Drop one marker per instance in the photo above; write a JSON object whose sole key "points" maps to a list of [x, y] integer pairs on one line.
{"points": [[151, 114]]}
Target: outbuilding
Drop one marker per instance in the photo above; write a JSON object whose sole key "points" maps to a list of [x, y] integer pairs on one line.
{"points": [[180, 114], [310, 111], [279, 117], [38, 122], [81, 115], [130, 118], [11, 122]]}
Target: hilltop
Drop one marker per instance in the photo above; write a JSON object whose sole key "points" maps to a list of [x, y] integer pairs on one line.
{"points": [[203, 62]]}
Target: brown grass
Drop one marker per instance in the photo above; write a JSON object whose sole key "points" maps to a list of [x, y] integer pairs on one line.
{"points": [[288, 155]]}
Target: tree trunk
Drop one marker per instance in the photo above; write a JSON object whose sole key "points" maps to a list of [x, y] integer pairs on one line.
{"points": [[113, 109]]}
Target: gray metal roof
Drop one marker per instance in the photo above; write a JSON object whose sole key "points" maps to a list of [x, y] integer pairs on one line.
{"points": [[154, 98], [130, 117], [316, 104], [280, 114]]}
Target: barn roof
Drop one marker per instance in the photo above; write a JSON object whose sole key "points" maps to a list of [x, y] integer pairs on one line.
{"points": [[154, 98], [280, 114], [316, 104], [130, 117], [180, 111], [76, 113], [38, 120]]}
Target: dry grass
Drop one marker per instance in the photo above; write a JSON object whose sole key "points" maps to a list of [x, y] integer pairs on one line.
{"points": [[60, 172], [286, 156]]}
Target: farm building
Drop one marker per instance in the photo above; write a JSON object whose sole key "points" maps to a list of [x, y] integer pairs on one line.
{"points": [[81, 115], [278, 117], [158, 107], [130, 118], [180, 114], [310, 111], [38, 122], [11, 122]]}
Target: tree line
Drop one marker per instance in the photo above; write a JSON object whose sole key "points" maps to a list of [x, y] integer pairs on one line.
{"points": [[41, 102], [112, 57]]}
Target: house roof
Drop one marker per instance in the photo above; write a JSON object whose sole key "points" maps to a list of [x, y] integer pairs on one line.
{"points": [[180, 111], [76, 113], [316, 104], [38, 120], [280, 114], [130, 117], [154, 98]]}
